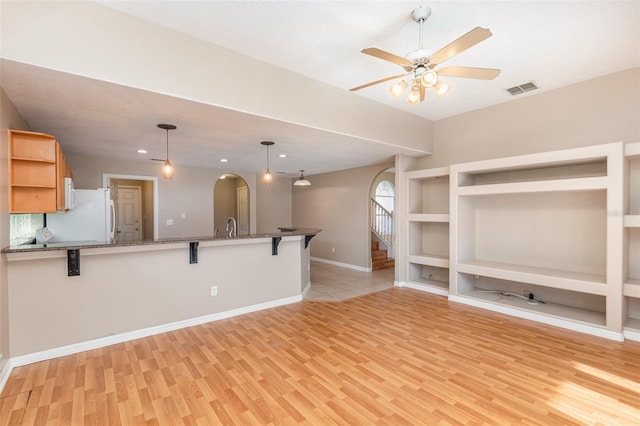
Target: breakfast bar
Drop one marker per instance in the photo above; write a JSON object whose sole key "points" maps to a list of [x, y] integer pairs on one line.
{"points": [[68, 297]]}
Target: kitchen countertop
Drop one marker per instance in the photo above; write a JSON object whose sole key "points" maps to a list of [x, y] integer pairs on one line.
{"points": [[72, 245]]}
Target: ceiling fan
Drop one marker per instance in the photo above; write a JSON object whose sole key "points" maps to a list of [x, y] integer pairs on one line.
{"points": [[421, 67]]}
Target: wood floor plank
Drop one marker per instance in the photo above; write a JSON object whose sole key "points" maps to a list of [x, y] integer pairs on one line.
{"points": [[394, 357]]}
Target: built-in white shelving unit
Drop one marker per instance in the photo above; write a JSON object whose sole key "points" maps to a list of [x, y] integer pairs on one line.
{"points": [[549, 225], [427, 260], [631, 248]]}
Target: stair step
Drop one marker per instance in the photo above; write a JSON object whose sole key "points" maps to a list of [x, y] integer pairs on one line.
{"points": [[387, 263], [379, 254], [375, 245]]}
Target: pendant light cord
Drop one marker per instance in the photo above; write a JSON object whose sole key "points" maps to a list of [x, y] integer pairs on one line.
{"points": [[167, 144]]}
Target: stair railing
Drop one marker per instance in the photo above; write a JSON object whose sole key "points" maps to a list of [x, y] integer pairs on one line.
{"points": [[382, 224]]}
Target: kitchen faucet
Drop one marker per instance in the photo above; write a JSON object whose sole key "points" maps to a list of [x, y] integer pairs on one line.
{"points": [[231, 229]]}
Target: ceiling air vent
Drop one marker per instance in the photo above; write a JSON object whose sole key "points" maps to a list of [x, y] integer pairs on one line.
{"points": [[521, 88]]}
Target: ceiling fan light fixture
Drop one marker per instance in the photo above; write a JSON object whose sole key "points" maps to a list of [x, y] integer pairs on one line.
{"points": [[301, 181], [414, 97], [441, 88], [429, 78], [397, 88]]}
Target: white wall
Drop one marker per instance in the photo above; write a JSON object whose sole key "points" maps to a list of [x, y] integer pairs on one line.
{"points": [[9, 119], [338, 203], [87, 39], [274, 204], [602, 110], [121, 290], [191, 192]]}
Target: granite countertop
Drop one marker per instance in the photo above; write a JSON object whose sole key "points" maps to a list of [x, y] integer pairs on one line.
{"points": [[72, 245]]}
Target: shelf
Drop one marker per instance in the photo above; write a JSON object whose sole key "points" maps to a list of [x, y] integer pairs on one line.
{"points": [[560, 312], [632, 287], [632, 329], [33, 160], [632, 150], [561, 185], [429, 260], [554, 278], [632, 221], [430, 286], [428, 277], [426, 174], [429, 217], [16, 185]]}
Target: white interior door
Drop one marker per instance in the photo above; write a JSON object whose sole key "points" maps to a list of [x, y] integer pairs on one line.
{"points": [[129, 217], [242, 199]]}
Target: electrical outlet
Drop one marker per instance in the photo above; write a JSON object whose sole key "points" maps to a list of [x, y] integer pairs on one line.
{"points": [[214, 290], [333, 249], [169, 222]]}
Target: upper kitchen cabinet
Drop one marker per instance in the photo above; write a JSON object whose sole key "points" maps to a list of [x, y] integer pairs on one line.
{"points": [[37, 169]]}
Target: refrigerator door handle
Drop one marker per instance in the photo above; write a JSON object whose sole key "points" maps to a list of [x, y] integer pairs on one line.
{"points": [[112, 232], [73, 195]]}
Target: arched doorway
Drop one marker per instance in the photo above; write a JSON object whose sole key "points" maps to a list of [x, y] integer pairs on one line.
{"points": [[231, 199], [382, 220]]}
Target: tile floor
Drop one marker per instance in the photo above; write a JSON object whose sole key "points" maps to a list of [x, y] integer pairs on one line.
{"points": [[333, 283]]}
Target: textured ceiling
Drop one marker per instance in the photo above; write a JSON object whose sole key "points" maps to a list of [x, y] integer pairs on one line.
{"points": [[553, 43]]}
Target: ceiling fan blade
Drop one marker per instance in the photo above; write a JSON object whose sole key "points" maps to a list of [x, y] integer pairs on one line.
{"points": [[423, 92], [382, 80], [468, 40], [390, 57], [469, 72]]}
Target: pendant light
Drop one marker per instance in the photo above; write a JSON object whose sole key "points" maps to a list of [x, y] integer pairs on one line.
{"points": [[301, 181], [267, 174], [167, 168]]}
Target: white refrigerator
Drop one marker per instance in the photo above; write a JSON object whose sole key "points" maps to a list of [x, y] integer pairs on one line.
{"points": [[92, 218]]}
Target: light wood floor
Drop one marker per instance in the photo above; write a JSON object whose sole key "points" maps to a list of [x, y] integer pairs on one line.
{"points": [[397, 356]]}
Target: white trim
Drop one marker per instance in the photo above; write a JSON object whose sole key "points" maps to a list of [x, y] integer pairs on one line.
{"points": [[425, 288], [145, 332], [105, 183], [343, 265], [306, 289], [557, 322], [5, 373], [631, 334]]}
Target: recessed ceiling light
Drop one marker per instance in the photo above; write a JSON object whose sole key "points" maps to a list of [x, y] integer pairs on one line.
{"points": [[223, 160], [142, 151], [282, 155]]}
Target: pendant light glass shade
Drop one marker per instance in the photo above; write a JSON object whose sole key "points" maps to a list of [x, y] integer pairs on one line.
{"points": [[167, 168], [268, 177], [301, 181]]}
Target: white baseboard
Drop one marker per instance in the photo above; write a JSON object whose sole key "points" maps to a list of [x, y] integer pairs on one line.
{"points": [[425, 288], [137, 334], [631, 334], [7, 368], [556, 322], [343, 265], [306, 289]]}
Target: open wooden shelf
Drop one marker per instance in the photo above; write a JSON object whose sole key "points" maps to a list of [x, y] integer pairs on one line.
{"points": [[37, 169]]}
